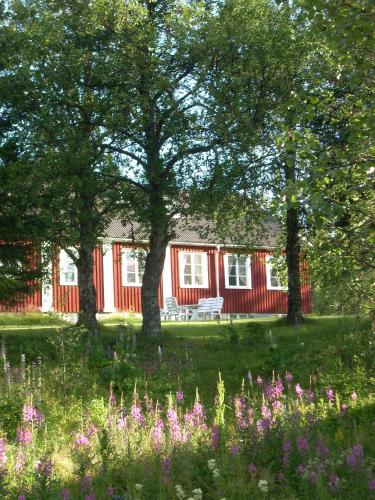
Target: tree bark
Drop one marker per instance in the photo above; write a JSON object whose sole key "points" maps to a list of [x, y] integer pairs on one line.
{"points": [[293, 249], [87, 292], [151, 325]]}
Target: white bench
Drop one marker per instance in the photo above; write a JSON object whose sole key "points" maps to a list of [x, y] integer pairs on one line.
{"points": [[211, 307]]}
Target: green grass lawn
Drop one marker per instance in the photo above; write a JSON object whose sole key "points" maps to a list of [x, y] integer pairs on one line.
{"points": [[195, 352]]}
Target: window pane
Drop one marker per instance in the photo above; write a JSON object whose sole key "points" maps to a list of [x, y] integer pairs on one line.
{"points": [[232, 281], [187, 269], [242, 260], [198, 259], [131, 277], [187, 259], [275, 282], [187, 279], [131, 266], [242, 281], [198, 280]]}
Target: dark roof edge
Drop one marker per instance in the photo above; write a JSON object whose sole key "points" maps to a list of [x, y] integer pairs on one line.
{"points": [[184, 243]]}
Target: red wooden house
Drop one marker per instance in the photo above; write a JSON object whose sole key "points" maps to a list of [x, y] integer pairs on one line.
{"points": [[194, 268]]}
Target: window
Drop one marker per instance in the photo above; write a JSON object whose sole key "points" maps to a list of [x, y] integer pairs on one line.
{"points": [[273, 278], [133, 266], [237, 271], [193, 270], [68, 270]]}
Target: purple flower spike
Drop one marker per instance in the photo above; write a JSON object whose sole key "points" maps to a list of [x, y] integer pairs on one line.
{"points": [[330, 395], [24, 436], [110, 491], [179, 396], [288, 378], [234, 450], [214, 437], [252, 469], [371, 484], [334, 481], [259, 380], [302, 444], [355, 456], [64, 494], [86, 482], [81, 440], [299, 390]]}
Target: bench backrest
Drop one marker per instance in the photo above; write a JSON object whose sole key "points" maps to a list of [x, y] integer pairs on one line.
{"points": [[210, 305], [171, 304]]}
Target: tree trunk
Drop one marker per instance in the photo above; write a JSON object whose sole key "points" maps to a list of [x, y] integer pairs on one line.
{"points": [[151, 325], [293, 263], [87, 292]]}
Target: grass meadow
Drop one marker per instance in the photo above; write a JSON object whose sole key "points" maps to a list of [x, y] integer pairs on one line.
{"points": [[212, 410]]}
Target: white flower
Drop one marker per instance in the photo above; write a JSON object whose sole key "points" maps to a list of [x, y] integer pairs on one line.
{"points": [[197, 493], [263, 485], [211, 464], [179, 492], [216, 473], [138, 487]]}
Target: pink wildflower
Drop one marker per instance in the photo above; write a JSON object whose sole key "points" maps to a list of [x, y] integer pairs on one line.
{"points": [[31, 414], [354, 396], [24, 436], [259, 380], [302, 444], [214, 437], [179, 396], [355, 456], [288, 378], [252, 469], [86, 482], [299, 390], [371, 484], [334, 481], [64, 494], [81, 440], [330, 395], [110, 491]]}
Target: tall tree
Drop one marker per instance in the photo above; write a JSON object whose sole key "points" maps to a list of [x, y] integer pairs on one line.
{"points": [[60, 67]]}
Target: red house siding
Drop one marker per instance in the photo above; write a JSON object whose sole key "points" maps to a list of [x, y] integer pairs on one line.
{"points": [[29, 303], [192, 295], [66, 297], [257, 299], [127, 298]]}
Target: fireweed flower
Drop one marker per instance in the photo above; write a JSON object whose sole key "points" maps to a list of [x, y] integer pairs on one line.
{"points": [[64, 494], [330, 395], [20, 461], [31, 414], [172, 416], [371, 484], [321, 449], [355, 456], [179, 396], [302, 444], [136, 414], [312, 477], [81, 440], [299, 390], [250, 377], [86, 483], [24, 436], [3, 457], [301, 470], [234, 450], [214, 437], [44, 467], [121, 423], [334, 481], [280, 476], [252, 469], [110, 491], [354, 396], [276, 406], [21, 497], [288, 378], [156, 435], [239, 410], [259, 380], [309, 395], [166, 468]]}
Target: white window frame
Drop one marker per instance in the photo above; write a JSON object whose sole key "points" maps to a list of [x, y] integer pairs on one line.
{"points": [[124, 274], [268, 275], [65, 259], [248, 272], [204, 265]]}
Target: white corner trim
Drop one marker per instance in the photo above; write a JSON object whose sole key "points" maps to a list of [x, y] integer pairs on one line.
{"points": [[47, 290], [108, 286], [167, 275]]}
